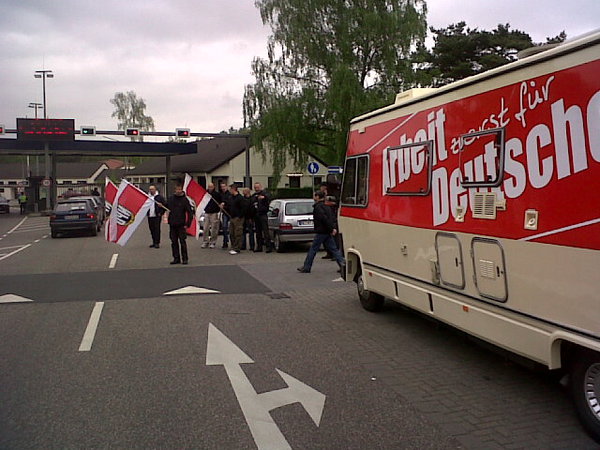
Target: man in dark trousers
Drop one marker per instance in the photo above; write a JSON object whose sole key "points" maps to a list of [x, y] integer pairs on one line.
{"points": [[260, 201], [180, 217], [225, 197], [155, 214], [325, 230], [236, 208]]}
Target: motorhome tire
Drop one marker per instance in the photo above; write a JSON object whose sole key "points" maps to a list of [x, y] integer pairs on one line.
{"points": [[369, 300], [585, 389]]}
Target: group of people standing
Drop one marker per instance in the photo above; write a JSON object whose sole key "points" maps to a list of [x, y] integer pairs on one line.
{"points": [[243, 216]]}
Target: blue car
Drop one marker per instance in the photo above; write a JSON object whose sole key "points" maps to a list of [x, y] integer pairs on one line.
{"points": [[75, 215]]}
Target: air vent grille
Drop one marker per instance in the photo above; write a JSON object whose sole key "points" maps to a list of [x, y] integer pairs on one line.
{"points": [[484, 205]]}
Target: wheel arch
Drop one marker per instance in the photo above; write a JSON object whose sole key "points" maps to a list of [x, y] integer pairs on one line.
{"points": [[353, 264]]}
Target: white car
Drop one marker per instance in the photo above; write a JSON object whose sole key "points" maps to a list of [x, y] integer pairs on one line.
{"points": [[4, 206]]}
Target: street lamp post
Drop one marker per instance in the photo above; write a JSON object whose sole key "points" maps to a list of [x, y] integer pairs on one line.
{"points": [[43, 74], [36, 106]]}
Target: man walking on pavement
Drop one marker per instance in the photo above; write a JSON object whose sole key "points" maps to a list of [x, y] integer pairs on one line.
{"points": [[155, 214], [236, 225], [180, 217], [225, 195], [325, 230], [261, 200], [211, 218]]}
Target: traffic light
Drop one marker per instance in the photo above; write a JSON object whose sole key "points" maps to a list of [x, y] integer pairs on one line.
{"points": [[132, 132], [182, 132], [2, 130], [87, 131]]}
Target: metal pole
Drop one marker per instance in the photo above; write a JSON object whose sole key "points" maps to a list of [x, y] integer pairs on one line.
{"points": [[44, 92], [248, 182], [47, 171], [168, 180]]}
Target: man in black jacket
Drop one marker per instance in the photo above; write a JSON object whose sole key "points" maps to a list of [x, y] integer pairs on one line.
{"points": [[260, 201], [180, 218], [325, 230], [236, 208], [155, 214]]}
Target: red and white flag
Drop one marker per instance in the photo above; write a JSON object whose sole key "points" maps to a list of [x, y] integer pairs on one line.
{"points": [[110, 192], [199, 198], [130, 207]]}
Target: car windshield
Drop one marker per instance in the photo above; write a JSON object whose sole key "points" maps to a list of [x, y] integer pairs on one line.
{"points": [[298, 209], [71, 206]]}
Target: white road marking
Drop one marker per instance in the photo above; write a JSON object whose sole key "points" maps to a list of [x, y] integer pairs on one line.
{"points": [[255, 407], [30, 230], [44, 236], [13, 298], [12, 246], [16, 251], [90, 331], [113, 261], [37, 240], [15, 227], [192, 290], [338, 279]]}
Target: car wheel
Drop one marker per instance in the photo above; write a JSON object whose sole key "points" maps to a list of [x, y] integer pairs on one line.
{"points": [[279, 246], [369, 300], [53, 234], [94, 231], [585, 389]]}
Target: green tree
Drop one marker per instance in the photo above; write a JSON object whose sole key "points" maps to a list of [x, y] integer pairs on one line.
{"points": [[328, 61], [130, 112], [460, 52]]}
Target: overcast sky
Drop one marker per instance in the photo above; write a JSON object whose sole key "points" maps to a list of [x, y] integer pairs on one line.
{"points": [[189, 60]]}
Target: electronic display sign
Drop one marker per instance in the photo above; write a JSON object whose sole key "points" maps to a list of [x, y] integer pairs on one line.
{"points": [[46, 129]]}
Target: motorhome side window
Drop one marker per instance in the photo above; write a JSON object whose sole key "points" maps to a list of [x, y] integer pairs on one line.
{"points": [[482, 158], [355, 188]]}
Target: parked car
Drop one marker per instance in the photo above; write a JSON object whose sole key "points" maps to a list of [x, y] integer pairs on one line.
{"points": [[291, 220], [98, 204], [4, 206], [74, 215]]}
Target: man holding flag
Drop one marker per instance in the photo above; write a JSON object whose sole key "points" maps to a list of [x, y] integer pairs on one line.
{"points": [[180, 218]]}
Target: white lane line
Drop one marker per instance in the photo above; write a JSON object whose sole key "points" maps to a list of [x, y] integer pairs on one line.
{"points": [[90, 331], [44, 236], [37, 240], [16, 251], [15, 227], [113, 261], [12, 246]]}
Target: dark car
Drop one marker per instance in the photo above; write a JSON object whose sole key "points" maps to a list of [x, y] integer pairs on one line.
{"points": [[74, 215], [98, 204], [291, 220]]}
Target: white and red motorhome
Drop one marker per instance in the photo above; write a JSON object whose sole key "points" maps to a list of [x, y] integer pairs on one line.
{"points": [[478, 203]]}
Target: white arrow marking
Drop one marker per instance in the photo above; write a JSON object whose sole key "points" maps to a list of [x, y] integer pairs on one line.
{"points": [[13, 298], [191, 290], [255, 407]]}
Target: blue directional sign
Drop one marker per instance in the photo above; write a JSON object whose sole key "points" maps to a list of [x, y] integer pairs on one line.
{"points": [[313, 167]]}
